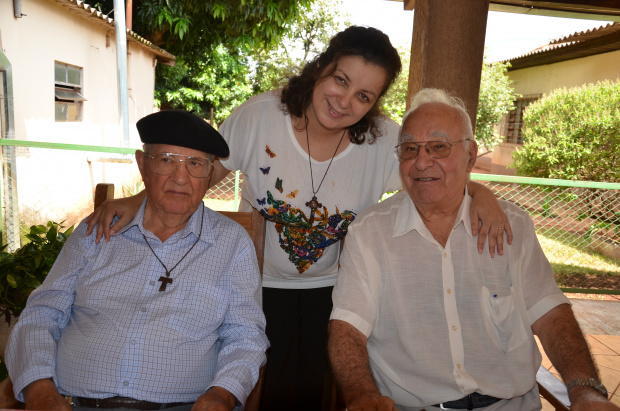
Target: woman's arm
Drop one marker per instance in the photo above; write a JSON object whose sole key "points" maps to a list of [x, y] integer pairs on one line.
{"points": [[488, 219]]}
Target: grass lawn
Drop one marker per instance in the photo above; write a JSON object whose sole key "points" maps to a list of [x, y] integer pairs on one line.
{"points": [[576, 265]]}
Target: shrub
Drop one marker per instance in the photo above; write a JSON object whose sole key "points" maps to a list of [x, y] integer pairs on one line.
{"points": [[25, 269], [496, 99], [573, 135]]}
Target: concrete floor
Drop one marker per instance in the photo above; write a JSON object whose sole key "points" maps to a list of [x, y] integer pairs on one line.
{"points": [[599, 318]]}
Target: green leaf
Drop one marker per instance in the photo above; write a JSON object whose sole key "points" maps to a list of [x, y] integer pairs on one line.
{"points": [[11, 280]]}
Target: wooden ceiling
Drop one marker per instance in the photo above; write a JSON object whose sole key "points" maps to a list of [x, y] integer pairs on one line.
{"points": [[607, 10]]}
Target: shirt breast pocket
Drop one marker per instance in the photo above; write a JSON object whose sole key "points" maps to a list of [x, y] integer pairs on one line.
{"points": [[198, 310], [503, 321]]}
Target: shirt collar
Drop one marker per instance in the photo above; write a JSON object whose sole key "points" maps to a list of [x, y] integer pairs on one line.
{"points": [[192, 227], [408, 218]]}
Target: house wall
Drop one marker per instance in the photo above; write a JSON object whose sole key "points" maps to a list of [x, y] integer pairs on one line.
{"points": [[571, 73], [48, 32], [544, 79]]}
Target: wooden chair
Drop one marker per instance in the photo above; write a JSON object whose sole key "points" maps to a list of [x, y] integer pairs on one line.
{"points": [[253, 222], [552, 389]]}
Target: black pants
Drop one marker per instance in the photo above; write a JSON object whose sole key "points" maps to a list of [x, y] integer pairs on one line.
{"points": [[297, 373]]}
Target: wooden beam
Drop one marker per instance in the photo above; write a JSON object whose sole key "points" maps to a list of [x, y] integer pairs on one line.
{"points": [[608, 10], [447, 48]]}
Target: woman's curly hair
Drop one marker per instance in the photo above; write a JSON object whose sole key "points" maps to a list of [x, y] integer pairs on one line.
{"points": [[366, 42]]}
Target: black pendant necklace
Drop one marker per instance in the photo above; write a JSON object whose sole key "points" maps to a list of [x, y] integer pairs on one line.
{"points": [[167, 280], [314, 203]]}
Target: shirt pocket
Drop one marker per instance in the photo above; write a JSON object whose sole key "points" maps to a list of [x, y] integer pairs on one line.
{"points": [[503, 321], [198, 310]]}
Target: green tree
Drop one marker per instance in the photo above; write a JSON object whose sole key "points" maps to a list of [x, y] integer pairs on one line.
{"points": [[219, 81], [496, 99], [573, 135], [395, 100], [207, 37], [189, 28], [306, 38]]}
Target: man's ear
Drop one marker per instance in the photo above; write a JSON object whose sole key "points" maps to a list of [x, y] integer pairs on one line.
{"points": [[140, 160], [473, 155]]}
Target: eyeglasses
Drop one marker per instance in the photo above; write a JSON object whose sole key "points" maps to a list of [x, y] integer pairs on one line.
{"points": [[167, 163], [408, 150]]}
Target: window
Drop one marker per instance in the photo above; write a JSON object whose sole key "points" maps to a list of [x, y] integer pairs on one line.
{"points": [[514, 120], [68, 92]]}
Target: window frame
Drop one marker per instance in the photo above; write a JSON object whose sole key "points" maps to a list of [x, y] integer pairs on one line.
{"points": [[68, 97]]}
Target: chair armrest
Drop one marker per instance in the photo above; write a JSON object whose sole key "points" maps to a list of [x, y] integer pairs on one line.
{"points": [[552, 389]]}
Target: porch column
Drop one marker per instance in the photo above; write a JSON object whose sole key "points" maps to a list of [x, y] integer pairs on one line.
{"points": [[447, 48]]}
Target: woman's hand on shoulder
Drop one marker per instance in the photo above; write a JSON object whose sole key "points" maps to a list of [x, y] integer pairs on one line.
{"points": [[125, 208], [488, 220]]}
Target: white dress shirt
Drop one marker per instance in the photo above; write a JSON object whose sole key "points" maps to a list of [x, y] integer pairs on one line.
{"points": [[443, 322]]}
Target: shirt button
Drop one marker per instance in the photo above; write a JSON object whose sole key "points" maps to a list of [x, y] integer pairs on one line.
{"points": [[445, 254], [449, 291], [152, 283], [143, 309], [458, 366], [125, 383], [133, 341], [454, 327]]}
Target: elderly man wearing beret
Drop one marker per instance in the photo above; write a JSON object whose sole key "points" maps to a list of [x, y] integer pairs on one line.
{"points": [[167, 315]]}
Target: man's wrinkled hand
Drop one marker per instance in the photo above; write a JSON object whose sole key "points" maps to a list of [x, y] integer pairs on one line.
{"points": [[371, 403], [586, 399], [216, 399], [43, 395]]}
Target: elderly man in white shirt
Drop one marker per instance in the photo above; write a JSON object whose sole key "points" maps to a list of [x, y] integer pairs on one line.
{"points": [[420, 319]]}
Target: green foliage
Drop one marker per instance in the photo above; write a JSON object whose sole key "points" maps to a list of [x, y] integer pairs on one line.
{"points": [[211, 40], [573, 134], [305, 38], [395, 100], [25, 269], [218, 81], [189, 28], [496, 99]]}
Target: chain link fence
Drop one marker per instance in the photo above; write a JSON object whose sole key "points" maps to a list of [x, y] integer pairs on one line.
{"points": [[578, 223]]}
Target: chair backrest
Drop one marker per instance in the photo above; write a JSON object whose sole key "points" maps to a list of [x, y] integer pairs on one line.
{"points": [[254, 223]]}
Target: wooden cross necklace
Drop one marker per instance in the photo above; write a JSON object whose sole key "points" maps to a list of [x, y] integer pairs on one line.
{"points": [[314, 203], [167, 280]]}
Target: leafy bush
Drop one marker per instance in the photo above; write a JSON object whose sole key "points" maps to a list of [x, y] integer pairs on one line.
{"points": [[25, 269], [496, 98], [573, 135]]}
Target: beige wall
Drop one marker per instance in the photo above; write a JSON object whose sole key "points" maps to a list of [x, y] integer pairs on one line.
{"points": [[52, 32], [571, 73]]}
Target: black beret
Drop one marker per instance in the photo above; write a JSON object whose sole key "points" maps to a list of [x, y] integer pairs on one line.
{"points": [[184, 129]]}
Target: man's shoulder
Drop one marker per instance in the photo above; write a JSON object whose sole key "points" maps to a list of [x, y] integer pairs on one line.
{"points": [[383, 210]]}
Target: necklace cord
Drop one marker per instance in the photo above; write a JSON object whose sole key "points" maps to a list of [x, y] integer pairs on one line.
{"points": [[330, 161], [185, 255]]}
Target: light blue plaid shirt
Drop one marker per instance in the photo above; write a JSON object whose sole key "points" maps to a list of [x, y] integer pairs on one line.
{"points": [[99, 326]]}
